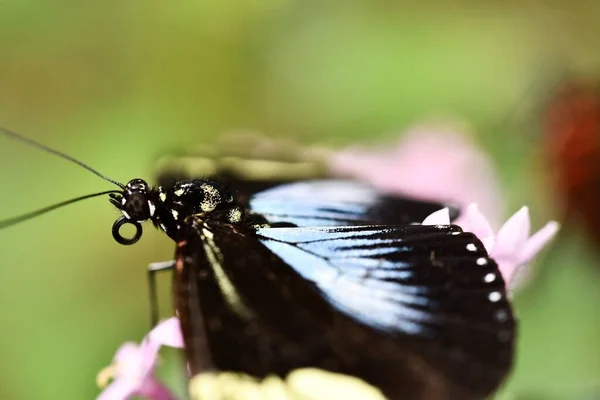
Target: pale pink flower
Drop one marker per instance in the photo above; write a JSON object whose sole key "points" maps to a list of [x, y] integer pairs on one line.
{"points": [[430, 162], [133, 366], [511, 247], [167, 333]]}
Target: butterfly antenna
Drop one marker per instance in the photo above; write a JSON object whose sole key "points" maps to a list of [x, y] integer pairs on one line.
{"points": [[21, 218], [67, 157]]}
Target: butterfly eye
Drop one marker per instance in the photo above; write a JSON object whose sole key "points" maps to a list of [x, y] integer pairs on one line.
{"points": [[136, 207], [120, 238]]}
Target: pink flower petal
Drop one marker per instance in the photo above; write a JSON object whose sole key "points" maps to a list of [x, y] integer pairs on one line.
{"points": [[168, 333], [128, 351], [475, 222], [430, 162], [512, 247], [153, 389], [441, 217], [488, 243], [133, 365], [538, 240], [118, 390], [507, 270], [147, 358], [512, 236]]}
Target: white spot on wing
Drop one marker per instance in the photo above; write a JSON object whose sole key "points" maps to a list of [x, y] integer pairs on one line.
{"points": [[494, 297], [504, 336], [501, 316], [471, 247], [489, 278]]}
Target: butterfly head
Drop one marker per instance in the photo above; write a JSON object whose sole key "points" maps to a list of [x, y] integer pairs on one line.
{"points": [[136, 205]]}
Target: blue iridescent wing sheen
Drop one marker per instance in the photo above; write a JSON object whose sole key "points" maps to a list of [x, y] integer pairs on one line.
{"points": [[431, 282], [418, 311], [340, 203]]}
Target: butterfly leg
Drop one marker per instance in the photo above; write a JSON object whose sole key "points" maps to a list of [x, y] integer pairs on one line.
{"points": [[153, 268]]}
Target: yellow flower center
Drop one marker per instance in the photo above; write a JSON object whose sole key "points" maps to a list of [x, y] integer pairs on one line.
{"points": [[106, 374]]}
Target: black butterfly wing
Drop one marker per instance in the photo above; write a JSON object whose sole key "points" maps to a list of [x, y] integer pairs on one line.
{"points": [[260, 172], [340, 203], [417, 311], [427, 282], [247, 162]]}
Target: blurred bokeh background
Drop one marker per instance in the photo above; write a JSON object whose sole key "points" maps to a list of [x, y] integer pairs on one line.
{"points": [[117, 83]]}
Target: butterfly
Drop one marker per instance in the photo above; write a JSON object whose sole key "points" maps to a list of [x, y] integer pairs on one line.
{"points": [[325, 274]]}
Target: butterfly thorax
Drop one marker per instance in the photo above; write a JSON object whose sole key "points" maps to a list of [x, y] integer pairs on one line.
{"points": [[170, 207]]}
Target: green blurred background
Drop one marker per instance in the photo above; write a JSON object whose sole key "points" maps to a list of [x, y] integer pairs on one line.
{"points": [[116, 83]]}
